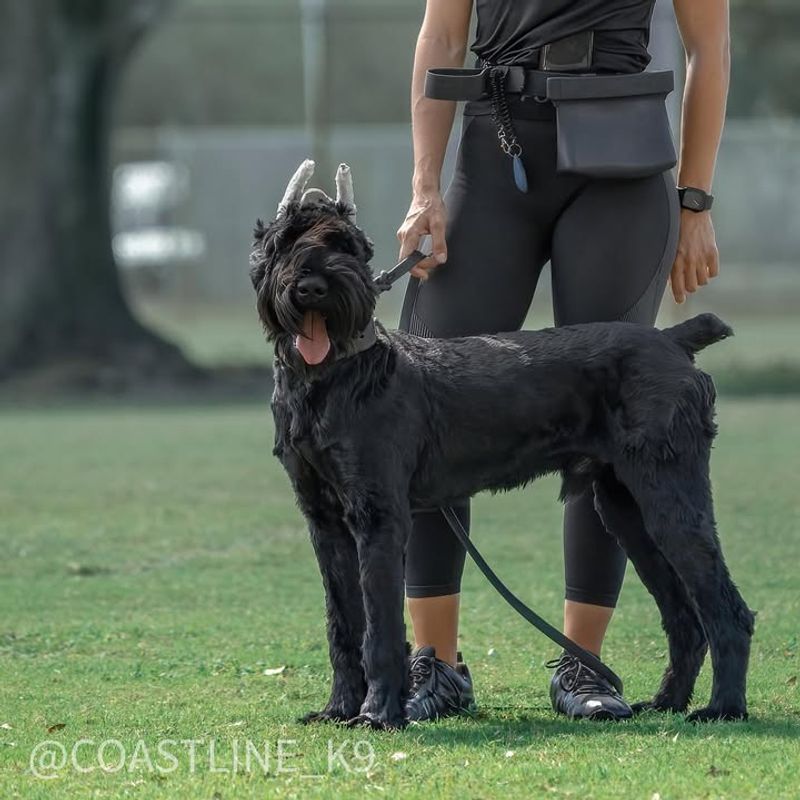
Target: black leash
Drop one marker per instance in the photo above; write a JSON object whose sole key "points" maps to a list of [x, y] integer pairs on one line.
{"points": [[385, 281], [583, 655]]}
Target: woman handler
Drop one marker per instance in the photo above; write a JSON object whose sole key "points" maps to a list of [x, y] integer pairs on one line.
{"points": [[612, 244]]}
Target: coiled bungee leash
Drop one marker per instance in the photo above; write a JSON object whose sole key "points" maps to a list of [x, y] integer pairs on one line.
{"points": [[501, 116], [384, 282]]}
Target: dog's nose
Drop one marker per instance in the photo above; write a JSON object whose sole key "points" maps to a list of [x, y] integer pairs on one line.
{"points": [[312, 287]]}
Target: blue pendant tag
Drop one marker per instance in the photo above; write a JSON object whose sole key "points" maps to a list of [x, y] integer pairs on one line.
{"points": [[520, 176]]}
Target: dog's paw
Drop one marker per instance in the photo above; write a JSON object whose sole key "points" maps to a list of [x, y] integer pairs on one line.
{"points": [[711, 714], [376, 722], [658, 706], [326, 715]]}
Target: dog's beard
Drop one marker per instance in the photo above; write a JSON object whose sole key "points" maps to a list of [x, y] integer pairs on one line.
{"points": [[337, 320]]}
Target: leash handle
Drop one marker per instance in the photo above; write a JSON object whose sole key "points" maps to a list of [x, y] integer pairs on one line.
{"points": [[589, 659], [386, 278]]}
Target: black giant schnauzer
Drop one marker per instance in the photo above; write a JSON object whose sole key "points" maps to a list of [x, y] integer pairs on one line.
{"points": [[370, 423]]}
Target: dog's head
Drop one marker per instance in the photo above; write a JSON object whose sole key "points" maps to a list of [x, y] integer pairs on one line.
{"points": [[309, 267]]}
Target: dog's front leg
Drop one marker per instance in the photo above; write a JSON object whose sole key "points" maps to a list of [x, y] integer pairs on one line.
{"points": [[381, 534], [337, 557], [338, 564]]}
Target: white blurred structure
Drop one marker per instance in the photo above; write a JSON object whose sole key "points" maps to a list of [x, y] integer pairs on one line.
{"points": [[145, 197]]}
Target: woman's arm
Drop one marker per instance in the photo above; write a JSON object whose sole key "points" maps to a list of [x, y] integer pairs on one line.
{"points": [[705, 31], [442, 42]]}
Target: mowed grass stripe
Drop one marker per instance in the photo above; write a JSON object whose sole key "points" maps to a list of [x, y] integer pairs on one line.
{"points": [[155, 565]]}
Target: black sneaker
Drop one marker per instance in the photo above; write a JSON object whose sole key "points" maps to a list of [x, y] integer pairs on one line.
{"points": [[581, 693], [437, 689]]}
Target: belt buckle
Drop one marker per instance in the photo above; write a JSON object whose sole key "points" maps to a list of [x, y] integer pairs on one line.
{"points": [[570, 54]]}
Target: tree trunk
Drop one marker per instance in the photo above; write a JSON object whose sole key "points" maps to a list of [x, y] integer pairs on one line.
{"points": [[60, 293]]}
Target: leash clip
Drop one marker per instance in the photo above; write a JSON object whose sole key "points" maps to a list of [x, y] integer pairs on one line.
{"points": [[386, 278]]}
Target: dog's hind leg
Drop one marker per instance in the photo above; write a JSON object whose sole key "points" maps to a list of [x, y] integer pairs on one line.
{"points": [[685, 636], [675, 499], [381, 532], [337, 557]]}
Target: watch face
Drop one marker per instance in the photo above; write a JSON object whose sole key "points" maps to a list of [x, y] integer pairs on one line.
{"points": [[694, 200]]}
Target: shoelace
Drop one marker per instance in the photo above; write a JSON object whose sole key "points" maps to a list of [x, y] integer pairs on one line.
{"points": [[576, 677], [420, 671]]}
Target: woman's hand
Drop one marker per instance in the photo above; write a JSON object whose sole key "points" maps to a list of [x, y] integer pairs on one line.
{"points": [[698, 258], [426, 215]]}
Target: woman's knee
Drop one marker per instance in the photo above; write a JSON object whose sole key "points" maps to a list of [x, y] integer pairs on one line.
{"points": [[434, 556]]}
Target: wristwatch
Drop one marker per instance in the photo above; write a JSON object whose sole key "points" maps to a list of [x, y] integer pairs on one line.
{"points": [[695, 199]]}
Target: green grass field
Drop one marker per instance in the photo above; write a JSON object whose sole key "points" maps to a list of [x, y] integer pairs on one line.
{"points": [[154, 566]]}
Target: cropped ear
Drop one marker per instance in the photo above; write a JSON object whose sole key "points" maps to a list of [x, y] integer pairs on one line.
{"points": [[345, 197], [296, 186]]}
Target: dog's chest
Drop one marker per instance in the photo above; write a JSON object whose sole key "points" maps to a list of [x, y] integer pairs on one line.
{"points": [[320, 460], [303, 433]]}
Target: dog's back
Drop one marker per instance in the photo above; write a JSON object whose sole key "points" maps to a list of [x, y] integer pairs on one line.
{"points": [[594, 388]]}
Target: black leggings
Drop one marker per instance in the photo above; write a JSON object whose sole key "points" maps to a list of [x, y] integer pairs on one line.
{"points": [[610, 243]]}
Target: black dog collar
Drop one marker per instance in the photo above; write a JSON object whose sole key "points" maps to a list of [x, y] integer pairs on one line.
{"points": [[362, 342], [383, 282]]}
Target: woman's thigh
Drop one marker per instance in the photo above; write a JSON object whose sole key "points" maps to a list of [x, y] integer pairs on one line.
{"points": [[497, 242], [613, 249]]}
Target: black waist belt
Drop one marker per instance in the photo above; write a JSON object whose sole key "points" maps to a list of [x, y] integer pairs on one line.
{"points": [[472, 84], [571, 54]]}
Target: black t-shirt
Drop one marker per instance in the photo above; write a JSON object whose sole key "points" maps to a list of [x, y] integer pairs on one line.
{"points": [[510, 31]]}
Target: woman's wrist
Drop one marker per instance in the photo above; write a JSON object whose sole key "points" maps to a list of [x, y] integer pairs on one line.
{"points": [[697, 178], [426, 184]]}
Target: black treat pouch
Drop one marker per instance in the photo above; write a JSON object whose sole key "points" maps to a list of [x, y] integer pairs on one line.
{"points": [[613, 126]]}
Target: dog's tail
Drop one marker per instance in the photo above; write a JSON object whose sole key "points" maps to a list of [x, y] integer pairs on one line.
{"points": [[698, 332]]}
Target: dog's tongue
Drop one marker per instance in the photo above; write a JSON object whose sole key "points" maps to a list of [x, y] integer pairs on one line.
{"points": [[313, 342]]}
